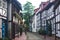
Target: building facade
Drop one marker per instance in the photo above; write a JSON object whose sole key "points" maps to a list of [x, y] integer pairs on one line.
{"points": [[37, 18], [41, 17], [16, 18], [3, 17], [47, 17], [57, 15], [50, 20], [34, 23], [38, 22]]}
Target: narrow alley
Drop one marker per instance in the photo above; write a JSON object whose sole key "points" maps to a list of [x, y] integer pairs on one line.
{"points": [[29, 36], [29, 19]]}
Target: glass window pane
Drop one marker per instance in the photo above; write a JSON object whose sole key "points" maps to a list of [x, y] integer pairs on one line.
{"points": [[0, 11], [3, 5], [4, 13], [0, 3], [59, 8], [59, 17], [59, 25]]}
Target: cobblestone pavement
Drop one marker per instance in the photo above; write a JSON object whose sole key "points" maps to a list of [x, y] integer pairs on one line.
{"points": [[32, 36], [22, 37], [49, 37]]}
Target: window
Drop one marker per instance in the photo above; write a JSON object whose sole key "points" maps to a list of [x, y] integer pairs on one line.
{"points": [[59, 8], [4, 13], [59, 26], [59, 16], [56, 11], [53, 20], [0, 11], [56, 27], [0, 3], [53, 27], [3, 5], [56, 18]]}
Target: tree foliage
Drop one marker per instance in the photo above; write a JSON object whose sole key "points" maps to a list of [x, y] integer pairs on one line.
{"points": [[28, 8]]}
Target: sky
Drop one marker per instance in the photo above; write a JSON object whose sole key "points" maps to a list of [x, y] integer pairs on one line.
{"points": [[35, 3]]}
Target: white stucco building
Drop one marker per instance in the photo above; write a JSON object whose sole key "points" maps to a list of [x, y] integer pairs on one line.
{"points": [[34, 23], [38, 22]]}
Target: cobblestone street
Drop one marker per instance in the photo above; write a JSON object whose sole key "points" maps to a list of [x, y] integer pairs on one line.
{"points": [[32, 36], [22, 37]]}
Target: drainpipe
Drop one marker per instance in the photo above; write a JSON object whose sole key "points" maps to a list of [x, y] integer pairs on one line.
{"points": [[9, 18], [41, 20], [55, 23]]}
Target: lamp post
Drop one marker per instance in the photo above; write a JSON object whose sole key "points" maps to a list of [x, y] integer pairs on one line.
{"points": [[9, 18]]}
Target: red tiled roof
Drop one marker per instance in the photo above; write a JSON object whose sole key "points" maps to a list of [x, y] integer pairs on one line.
{"points": [[41, 7]]}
